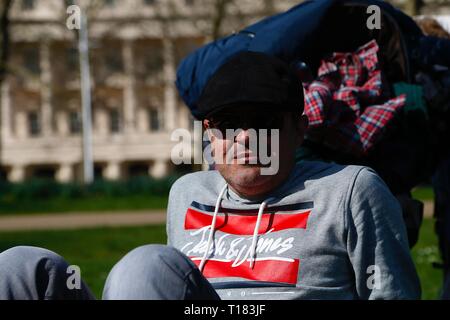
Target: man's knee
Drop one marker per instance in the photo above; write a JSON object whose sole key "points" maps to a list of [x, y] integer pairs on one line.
{"points": [[22, 256], [153, 257], [33, 273], [146, 267]]}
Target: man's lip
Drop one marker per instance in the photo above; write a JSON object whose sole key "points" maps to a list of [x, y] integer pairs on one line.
{"points": [[246, 155]]}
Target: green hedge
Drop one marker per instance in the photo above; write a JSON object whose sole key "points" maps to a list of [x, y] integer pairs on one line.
{"points": [[41, 189]]}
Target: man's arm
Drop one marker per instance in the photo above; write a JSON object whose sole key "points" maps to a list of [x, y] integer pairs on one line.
{"points": [[171, 206], [377, 241]]}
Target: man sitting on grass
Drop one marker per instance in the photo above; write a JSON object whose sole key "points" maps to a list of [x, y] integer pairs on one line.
{"points": [[252, 229]]}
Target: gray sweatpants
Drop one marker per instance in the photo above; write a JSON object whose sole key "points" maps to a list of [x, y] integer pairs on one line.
{"points": [[147, 272]]}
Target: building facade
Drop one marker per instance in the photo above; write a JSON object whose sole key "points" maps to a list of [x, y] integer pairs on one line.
{"points": [[135, 46]]}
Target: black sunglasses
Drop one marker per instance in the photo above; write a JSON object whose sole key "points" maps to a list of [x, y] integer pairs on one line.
{"points": [[248, 121]]}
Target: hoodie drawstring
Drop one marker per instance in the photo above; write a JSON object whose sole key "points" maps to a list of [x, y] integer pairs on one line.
{"points": [[255, 233], [213, 226]]}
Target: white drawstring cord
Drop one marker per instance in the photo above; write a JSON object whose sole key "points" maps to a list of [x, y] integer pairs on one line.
{"points": [[255, 232], [212, 227]]}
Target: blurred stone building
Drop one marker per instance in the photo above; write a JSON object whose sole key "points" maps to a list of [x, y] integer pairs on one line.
{"points": [[423, 7], [135, 46]]}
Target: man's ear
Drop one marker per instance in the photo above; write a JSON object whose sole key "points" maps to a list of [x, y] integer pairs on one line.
{"points": [[208, 132]]}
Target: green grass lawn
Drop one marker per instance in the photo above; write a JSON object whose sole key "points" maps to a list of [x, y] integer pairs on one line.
{"points": [[424, 254], [98, 204], [97, 250], [424, 192]]}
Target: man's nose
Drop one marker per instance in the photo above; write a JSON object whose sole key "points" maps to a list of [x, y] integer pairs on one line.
{"points": [[243, 136]]}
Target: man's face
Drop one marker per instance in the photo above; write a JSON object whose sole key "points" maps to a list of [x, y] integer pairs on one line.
{"points": [[239, 157]]}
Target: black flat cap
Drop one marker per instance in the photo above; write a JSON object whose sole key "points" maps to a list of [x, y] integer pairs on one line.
{"points": [[252, 78]]}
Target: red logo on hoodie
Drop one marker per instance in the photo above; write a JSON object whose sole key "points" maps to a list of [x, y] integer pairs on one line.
{"points": [[232, 245]]}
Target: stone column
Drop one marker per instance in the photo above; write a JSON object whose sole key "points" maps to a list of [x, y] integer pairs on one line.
{"points": [[129, 93], [170, 100], [65, 173], [6, 111], [142, 121], [101, 126], [17, 173], [112, 171], [159, 169], [62, 123], [185, 118], [21, 128], [46, 90]]}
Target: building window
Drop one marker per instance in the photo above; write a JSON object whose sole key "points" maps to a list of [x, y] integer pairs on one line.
{"points": [[3, 174], [189, 3], [34, 123], [98, 171], [113, 61], [149, 2], [114, 121], [43, 172], [74, 122], [154, 62], [110, 3], [149, 61], [31, 60], [184, 47], [138, 170], [28, 4], [154, 120], [72, 59]]}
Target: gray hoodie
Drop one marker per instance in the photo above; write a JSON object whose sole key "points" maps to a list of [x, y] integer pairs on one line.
{"points": [[329, 232]]}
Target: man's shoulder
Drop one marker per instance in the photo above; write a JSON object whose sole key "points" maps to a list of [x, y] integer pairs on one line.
{"points": [[342, 178], [328, 170], [197, 180], [353, 180]]}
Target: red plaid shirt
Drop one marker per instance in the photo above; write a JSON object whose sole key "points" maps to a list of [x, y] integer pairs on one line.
{"points": [[345, 105]]}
